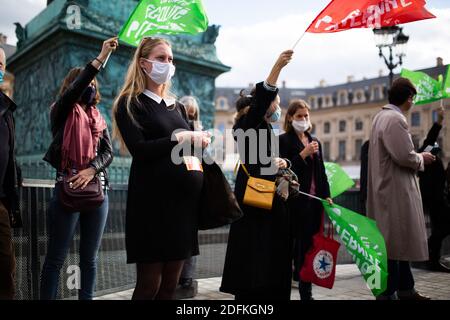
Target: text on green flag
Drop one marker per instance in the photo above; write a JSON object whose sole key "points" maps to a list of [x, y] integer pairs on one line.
{"points": [[428, 89], [364, 242], [152, 17]]}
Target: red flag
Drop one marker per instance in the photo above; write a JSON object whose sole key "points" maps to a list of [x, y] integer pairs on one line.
{"points": [[342, 15]]}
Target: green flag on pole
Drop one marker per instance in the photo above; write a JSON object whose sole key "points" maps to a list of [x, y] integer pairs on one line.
{"points": [[338, 179], [446, 85], [364, 242], [428, 89], [152, 17]]}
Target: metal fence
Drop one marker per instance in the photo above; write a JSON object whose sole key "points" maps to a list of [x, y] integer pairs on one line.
{"points": [[113, 273]]}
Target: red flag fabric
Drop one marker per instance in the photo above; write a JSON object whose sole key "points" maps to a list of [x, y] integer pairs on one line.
{"points": [[342, 15]]}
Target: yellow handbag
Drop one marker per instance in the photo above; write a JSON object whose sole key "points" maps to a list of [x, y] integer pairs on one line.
{"points": [[259, 192]]}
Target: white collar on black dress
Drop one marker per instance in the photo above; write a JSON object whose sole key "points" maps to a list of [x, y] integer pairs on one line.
{"points": [[158, 99]]}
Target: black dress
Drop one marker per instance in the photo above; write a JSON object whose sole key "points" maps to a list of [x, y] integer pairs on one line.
{"points": [[258, 262], [306, 212], [163, 197]]}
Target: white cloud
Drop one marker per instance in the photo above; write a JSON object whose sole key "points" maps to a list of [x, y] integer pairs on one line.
{"points": [[251, 50], [21, 11]]}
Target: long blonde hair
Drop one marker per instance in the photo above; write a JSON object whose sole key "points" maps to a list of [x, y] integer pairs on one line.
{"points": [[135, 84]]}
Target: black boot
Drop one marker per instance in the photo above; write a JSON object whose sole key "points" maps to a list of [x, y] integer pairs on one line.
{"points": [[305, 290]]}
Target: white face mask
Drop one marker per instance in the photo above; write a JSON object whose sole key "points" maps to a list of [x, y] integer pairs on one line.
{"points": [[161, 72], [301, 125]]}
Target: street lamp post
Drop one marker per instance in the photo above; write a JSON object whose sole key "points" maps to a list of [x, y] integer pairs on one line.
{"points": [[395, 40]]}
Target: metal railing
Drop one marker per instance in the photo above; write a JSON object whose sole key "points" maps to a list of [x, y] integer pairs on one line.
{"points": [[113, 273]]}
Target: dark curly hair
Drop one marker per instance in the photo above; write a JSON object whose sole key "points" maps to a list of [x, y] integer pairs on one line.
{"points": [[243, 102]]}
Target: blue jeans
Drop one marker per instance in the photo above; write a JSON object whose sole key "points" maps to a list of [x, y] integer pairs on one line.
{"points": [[61, 229]]}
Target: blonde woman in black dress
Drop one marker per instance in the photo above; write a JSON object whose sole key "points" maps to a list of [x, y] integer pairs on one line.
{"points": [[163, 197]]}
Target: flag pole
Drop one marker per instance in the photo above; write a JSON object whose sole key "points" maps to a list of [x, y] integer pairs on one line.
{"points": [[299, 39], [311, 196], [106, 61]]}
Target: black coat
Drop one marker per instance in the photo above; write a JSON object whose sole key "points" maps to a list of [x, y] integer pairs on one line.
{"points": [[58, 116], [432, 179], [259, 251], [363, 173], [163, 197], [306, 216], [290, 148], [12, 179]]}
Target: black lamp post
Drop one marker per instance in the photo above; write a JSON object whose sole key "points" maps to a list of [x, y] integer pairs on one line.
{"points": [[395, 40]]}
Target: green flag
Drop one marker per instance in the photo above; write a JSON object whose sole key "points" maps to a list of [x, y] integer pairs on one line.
{"points": [[164, 17], [364, 242], [338, 179], [428, 89], [446, 85]]}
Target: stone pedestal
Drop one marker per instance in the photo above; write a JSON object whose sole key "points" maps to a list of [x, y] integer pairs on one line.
{"points": [[69, 34]]}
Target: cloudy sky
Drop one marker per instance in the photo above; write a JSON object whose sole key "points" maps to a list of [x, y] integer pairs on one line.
{"points": [[254, 32]]}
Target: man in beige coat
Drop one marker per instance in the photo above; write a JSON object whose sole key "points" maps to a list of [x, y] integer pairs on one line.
{"points": [[393, 195]]}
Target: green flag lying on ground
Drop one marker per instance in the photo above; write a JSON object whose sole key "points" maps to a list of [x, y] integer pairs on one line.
{"points": [[164, 17], [428, 89], [338, 179], [364, 242]]}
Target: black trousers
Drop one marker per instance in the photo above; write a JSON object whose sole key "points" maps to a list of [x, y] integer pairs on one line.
{"points": [[400, 277], [7, 258], [440, 227], [307, 220]]}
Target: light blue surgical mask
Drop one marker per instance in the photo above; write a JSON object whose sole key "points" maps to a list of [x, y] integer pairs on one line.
{"points": [[276, 115], [2, 74]]}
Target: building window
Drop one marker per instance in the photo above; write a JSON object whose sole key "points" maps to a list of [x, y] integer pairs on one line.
{"points": [[360, 97], [358, 145], [376, 93], [326, 151], [326, 127], [312, 102], [342, 153], [221, 103], [342, 98], [342, 125], [434, 116], [415, 119], [328, 101], [359, 125]]}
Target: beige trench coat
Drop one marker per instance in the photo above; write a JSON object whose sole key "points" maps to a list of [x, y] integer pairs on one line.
{"points": [[393, 194]]}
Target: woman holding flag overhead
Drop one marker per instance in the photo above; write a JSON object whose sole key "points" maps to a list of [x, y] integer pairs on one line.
{"points": [[163, 197], [259, 253], [81, 151]]}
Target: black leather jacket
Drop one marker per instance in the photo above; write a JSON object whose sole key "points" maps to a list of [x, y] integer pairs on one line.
{"points": [[58, 117], [13, 179]]}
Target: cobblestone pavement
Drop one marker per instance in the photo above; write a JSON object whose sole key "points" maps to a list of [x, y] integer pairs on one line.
{"points": [[349, 285]]}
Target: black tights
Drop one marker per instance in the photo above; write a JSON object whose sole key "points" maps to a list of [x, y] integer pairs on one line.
{"points": [[157, 281]]}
